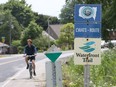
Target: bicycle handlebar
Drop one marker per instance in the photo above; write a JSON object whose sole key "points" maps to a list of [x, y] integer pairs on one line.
{"points": [[29, 55]]}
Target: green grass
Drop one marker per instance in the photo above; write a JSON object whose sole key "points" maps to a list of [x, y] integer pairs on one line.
{"points": [[72, 74]]}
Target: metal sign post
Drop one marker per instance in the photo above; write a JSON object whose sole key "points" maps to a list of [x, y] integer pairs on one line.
{"points": [[86, 75]]}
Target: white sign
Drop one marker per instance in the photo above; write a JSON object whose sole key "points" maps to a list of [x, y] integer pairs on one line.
{"points": [[87, 51]]}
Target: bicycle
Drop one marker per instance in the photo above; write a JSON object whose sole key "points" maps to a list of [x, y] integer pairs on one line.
{"points": [[30, 65]]}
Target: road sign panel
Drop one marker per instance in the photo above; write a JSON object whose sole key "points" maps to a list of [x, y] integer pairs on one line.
{"points": [[53, 56], [87, 30], [53, 53], [87, 12], [87, 51]]}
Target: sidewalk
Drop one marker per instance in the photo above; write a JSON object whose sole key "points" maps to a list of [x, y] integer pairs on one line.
{"points": [[21, 79]]}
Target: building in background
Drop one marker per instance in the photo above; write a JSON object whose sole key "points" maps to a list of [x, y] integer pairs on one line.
{"points": [[3, 48], [54, 30]]}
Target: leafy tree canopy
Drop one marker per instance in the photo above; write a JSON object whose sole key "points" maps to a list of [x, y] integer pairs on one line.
{"points": [[33, 31], [42, 20], [67, 35], [9, 25], [21, 11]]}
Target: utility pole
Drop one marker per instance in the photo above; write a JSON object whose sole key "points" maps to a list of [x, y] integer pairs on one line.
{"points": [[48, 33], [10, 33]]}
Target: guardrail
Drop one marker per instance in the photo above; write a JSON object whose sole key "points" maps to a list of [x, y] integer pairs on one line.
{"points": [[64, 58]]}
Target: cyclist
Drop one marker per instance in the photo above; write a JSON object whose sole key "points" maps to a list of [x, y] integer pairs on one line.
{"points": [[30, 49]]}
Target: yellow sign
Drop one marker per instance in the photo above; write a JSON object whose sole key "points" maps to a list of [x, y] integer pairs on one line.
{"points": [[3, 39], [87, 51]]}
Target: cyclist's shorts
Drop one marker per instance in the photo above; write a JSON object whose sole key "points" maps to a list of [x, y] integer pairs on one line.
{"points": [[32, 58]]}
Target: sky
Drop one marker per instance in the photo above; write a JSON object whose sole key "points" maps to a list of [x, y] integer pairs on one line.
{"points": [[46, 7]]}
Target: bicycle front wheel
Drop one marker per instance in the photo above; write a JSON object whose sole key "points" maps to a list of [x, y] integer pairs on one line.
{"points": [[30, 70]]}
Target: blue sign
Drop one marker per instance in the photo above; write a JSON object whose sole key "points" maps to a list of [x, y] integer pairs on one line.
{"points": [[87, 30], [87, 12]]}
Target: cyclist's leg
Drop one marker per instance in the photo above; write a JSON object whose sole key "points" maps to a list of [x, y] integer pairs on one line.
{"points": [[33, 62], [26, 60]]}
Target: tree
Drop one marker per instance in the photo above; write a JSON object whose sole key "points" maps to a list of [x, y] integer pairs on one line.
{"points": [[110, 15], [42, 20], [9, 26], [41, 43], [67, 12], [21, 11], [67, 35], [24, 14], [33, 31]]}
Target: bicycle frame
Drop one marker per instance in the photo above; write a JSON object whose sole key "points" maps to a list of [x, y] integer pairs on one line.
{"points": [[30, 68], [30, 65]]}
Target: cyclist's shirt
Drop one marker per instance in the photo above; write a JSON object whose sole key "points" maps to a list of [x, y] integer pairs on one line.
{"points": [[30, 50]]}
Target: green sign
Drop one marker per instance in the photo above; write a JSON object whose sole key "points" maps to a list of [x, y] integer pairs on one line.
{"points": [[53, 56]]}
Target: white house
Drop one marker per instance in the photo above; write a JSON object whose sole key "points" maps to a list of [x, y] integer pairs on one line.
{"points": [[3, 48]]}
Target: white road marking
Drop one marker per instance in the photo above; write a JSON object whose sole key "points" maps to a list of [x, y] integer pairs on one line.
{"points": [[9, 79]]}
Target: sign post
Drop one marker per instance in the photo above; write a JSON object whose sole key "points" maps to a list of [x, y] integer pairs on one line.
{"points": [[52, 68], [87, 32], [53, 74], [86, 75]]}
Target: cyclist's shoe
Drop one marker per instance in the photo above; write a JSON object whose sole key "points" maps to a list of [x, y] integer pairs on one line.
{"points": [[34, 73], [27, 66]]}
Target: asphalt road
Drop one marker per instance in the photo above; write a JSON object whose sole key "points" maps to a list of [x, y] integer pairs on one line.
{"points": [[11, 65]]}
